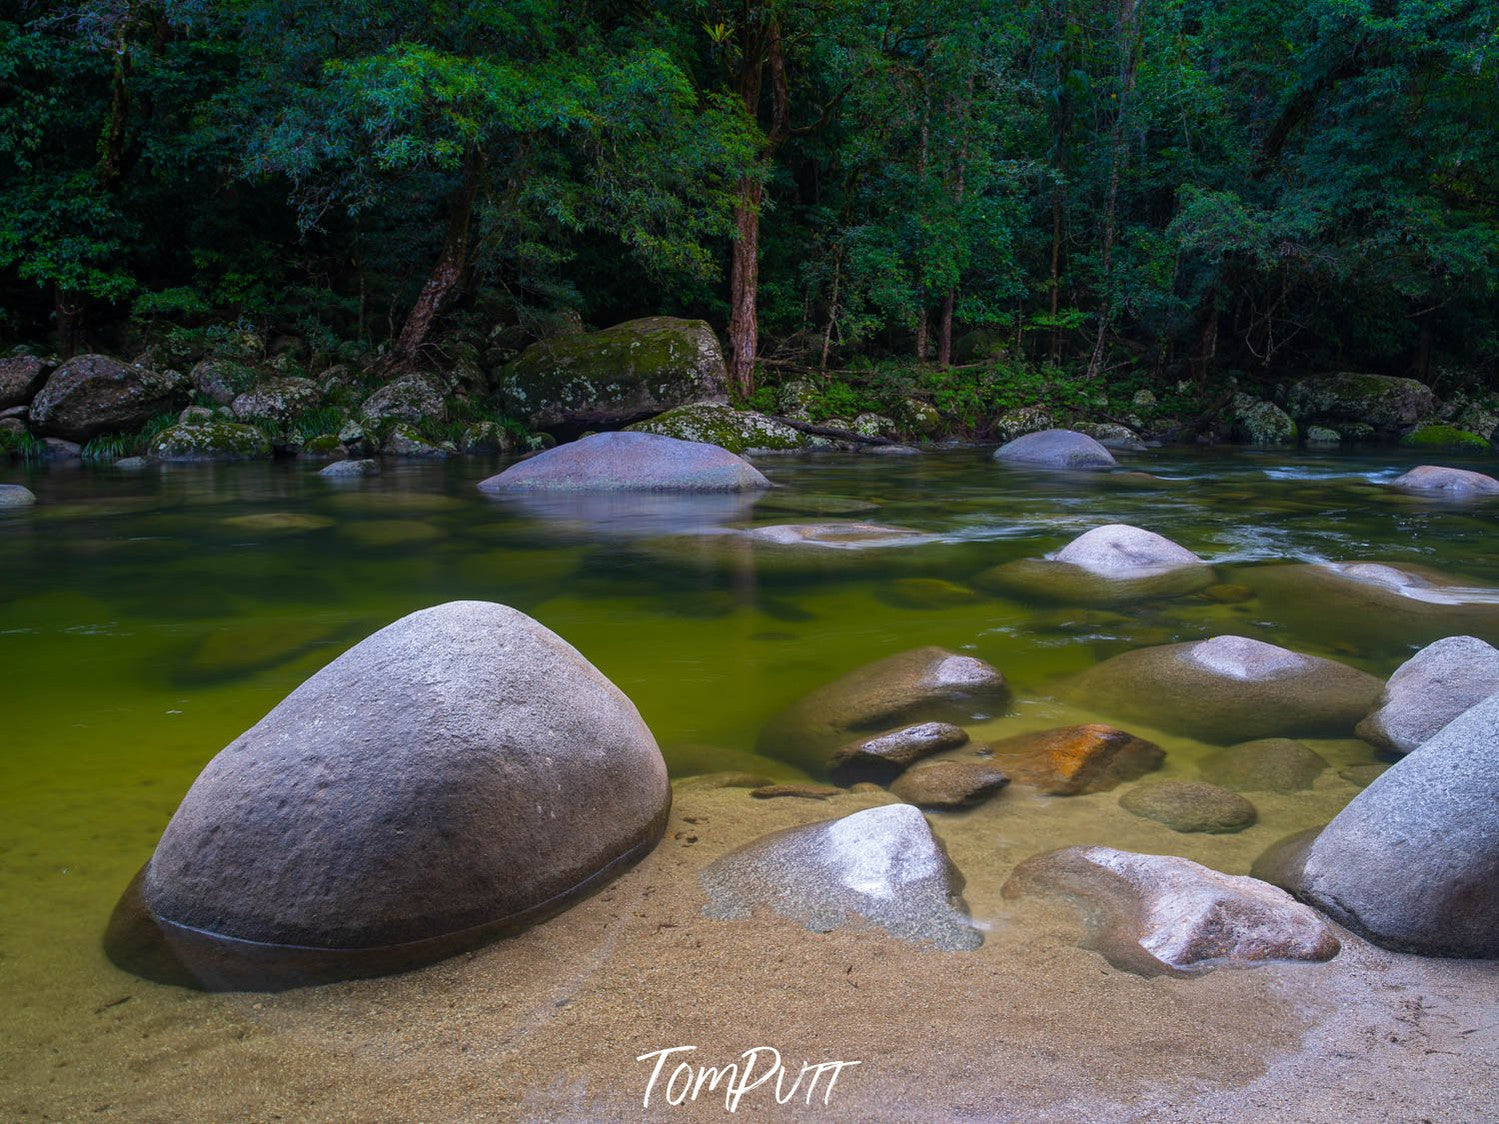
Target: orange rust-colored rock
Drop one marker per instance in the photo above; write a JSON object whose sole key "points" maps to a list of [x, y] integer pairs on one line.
{"points": [[1074, 759]]}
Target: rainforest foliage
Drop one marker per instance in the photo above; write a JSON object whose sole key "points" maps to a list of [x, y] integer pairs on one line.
{"points": [[1162, 188]]}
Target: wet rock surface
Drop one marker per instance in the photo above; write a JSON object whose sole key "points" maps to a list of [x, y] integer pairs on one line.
{"points": [[1190, 806], [1158, 914], [1453, 481], [882, 866], [1056, 448], [351, 468], [630, 462], [16, 495], [885, 755], [1429, 690], [949, 784], [1075, 759]]}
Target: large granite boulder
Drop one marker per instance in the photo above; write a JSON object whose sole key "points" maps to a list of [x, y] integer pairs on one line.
{"points": [[1056, 448], [1162, 915], [1412, 862], [210, 441], [622, 374], [715, 423], [1449, 481], [410, 398], [1228, 689], [460, 773], [277, 400], [1111, 565], [1429, 690], [1389, 405], [630, 462], [21, 376], [93, 394], [922, 685], [882, 866]]}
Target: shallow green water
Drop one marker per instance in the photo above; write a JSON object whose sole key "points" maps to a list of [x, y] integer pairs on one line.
{"points": [[146, 619]]}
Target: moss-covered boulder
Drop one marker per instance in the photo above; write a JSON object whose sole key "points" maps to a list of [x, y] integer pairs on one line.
{"points": [[487, 437], [1438, 435], [620, 375], [738, 431], [410, 398], [1256, 422], [221, 381], [1389, 405], [210, 441], [1022, 420], [93, 394], [277, 400], [407, 441]]}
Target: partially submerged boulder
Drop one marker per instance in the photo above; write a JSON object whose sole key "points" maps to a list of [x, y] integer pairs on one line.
{"points": [[1389, 405], [1451, 481], [1074, 759], [949, 785], [1230, 688], [351, 468], [93, 394], [1190, 806], [1439, 435], [882, 866], [644, 462], [922, 685], [210, 441], [460, 773], [718, 423], [884, 755], [1162, 915], [622, 374], [1265, 765], [15, 495], [1429, 690], [1111, 565], [1412, 862], [1056, 448]]}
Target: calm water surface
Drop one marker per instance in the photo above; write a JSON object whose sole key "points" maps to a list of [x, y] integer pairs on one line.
{"points": [[147, 619]]}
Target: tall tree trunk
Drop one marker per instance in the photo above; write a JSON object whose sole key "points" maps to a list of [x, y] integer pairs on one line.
{"points": [[447, 273], [744, 282], [923, 335], [67, 307], [944, 330], [1055, 350]]}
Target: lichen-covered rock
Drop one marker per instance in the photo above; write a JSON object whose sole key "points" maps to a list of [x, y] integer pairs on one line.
{"points": [[221, 381], [923, 685], [210, 441], [796, 398], [882, 865], [622, 374], [278, 400], [1022, 420], [1265, 765], [195, 415], [1190, 806], [1438, 435], [1076, 759], [487, 437], [323, 447], [738, 431], [1230, 688], [406, 441], [351, 468], [1452, 481], [1056, 448], [21, 376], [1162, 915], [949, 785], [630, 462], [1389, 405], [462, 772], [1412, 862], [1111, 435], [93, 394], [411, 398], [1257, 422], [1321, 436], [15, 495], [918, 417], [872, 425], [1429, 690]]}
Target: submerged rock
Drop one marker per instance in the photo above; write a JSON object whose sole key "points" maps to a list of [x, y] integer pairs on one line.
{"points": [[949, 784], [926, 593], [1429, 690], [460, 773], [1265, 765], [1230, 688], [630, 462], [93, 394], [1190, 806], [1412, 862], [1074, 759], [1056, 448], [882, 865], [883, 756], [717, 423], [1453, 481], [923, 685], [1161, 915], [632, 371], [1110, 565], [837, 536], [15, 495]]}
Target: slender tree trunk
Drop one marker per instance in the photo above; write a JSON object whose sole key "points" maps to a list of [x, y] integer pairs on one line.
{"points": [[67, 307], [744, 282], [923, 335], [827, 336], [1056, 272], [944, 330], [112, 137], [447, 274]]}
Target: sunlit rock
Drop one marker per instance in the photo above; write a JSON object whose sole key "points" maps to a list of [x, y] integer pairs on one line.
{"points": [[1190, 806], [1429, 690], [1074, 759]]}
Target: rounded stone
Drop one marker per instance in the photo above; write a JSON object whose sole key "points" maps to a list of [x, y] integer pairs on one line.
{"points": [[462, 772], [1452, 481], [93, 394], [949, 784], [351, 468], [1429, 690], [15, 495], [1056, 448], [1190, 806], [1265, 765], [1118, 548], [630, 462]]}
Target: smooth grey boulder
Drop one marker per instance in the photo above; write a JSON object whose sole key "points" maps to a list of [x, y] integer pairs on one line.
{"points": [[1190, 806], [1229, 688], [630, 462], [351, 468], [1118, 548], [883, 756], [1162, 915], [922, 685], [21, 376], [93, 394], [1429, 690], [1265, 765], [1412, 862], [1056, 448], [15, 495], [883, 865], [948, 785], [1111, 565], [462, 772], [1453, 481]]}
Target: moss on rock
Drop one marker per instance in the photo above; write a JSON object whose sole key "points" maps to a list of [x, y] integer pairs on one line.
{"points": [[210, 441], [738, 431], [1435, 435]]}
